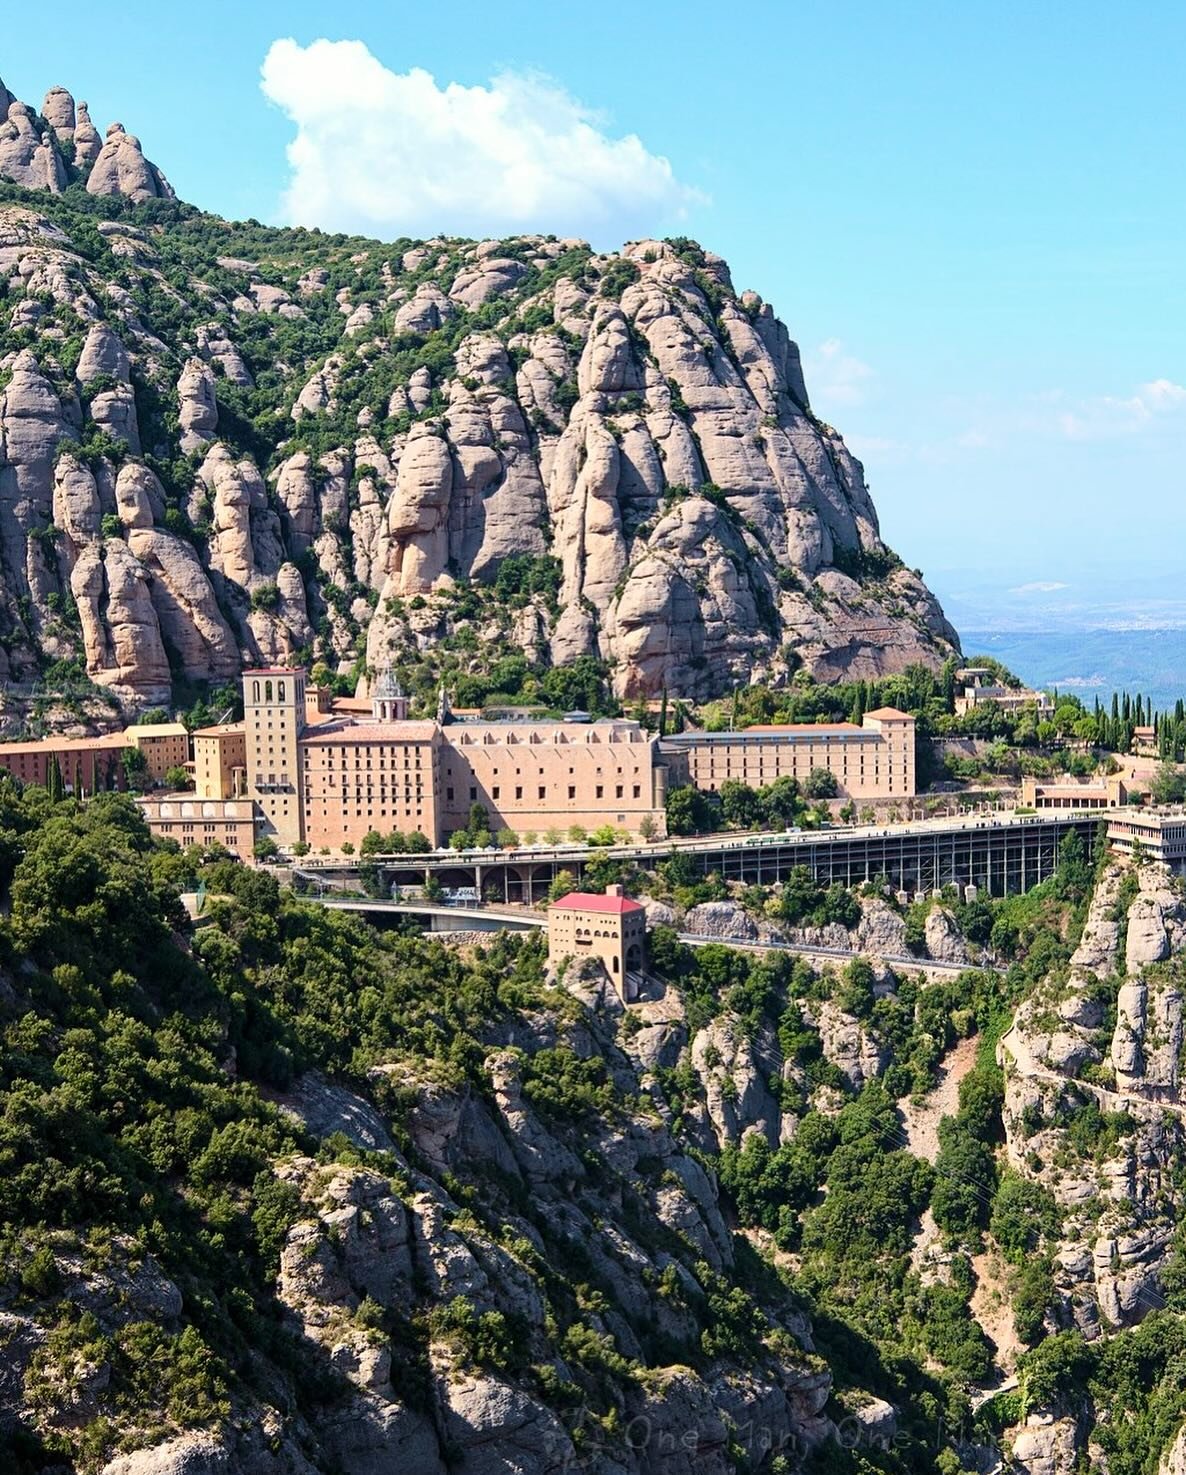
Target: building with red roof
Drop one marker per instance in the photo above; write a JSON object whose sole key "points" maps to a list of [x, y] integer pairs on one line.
{"points": [[610, 928]]}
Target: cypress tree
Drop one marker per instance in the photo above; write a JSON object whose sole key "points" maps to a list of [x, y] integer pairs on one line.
{"points": [[53, 781]]}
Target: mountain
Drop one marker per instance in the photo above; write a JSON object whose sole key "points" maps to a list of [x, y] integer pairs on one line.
{"points": [[478, 1216], [223, 444]]}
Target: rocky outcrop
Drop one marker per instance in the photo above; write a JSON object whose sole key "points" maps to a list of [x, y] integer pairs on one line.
{"points": [[71, 148], [28, 156], [120, 168], [628, 418], [1118, 1210], [197, 407]]}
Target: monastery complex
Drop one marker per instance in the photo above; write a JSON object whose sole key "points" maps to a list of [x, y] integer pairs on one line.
{"points": [[305, 768]]}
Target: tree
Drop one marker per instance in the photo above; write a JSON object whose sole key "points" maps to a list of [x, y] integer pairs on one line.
{"points": [[647, 828], [177, 778], [53, 781], [1168, 785], [135, 768], [564, 883], [265, 848], [781, 803], [740, 805], [688, 811], [821, 783]]}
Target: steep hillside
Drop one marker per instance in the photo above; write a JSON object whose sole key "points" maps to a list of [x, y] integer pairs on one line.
{"points": [[224, 443]]}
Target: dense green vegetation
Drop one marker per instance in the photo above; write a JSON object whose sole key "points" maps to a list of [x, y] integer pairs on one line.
{"points": [[125, 1137]]}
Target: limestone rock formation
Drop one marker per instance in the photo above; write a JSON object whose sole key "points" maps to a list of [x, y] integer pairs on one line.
{"points": [[1118, 1214], [631, 431], [27, 156], [120, 168], [198, 408]]}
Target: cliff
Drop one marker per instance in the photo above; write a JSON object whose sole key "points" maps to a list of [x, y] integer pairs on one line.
{"points": [[223, 443]]}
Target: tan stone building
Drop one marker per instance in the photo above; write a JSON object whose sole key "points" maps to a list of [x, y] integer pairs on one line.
{"points": [[220, 761], [360, 776], [873, 761], [1104, 793], [979, 688], [165, 745], [273, 720], [611, 928], [535, 776], [193, 821]]}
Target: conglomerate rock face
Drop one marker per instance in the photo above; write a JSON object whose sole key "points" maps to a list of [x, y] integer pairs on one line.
{"points": [[387, 426], [1107, 1041]]}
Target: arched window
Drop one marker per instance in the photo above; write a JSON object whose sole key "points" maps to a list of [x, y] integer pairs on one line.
{"points": [[280, 691], [255, 691], [267, 691]]}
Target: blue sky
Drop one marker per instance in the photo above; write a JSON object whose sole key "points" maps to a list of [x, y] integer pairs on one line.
{"points": [[972, 216]]}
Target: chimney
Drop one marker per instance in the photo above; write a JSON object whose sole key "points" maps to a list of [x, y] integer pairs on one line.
{"points": [[614, 891]]}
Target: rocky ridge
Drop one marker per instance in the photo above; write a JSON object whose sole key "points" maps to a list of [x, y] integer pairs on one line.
{"points": [[1095, 1113], [339, 444]]}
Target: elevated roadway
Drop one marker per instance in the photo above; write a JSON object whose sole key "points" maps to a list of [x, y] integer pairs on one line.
{"points": [[1000, 853]]}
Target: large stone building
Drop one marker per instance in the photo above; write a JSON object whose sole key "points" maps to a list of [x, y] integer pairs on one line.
{"points": [[85, 764], [163, 745], [326, 773], [873, 761], [610, 928], [310, 769], [220, 761], [979, 688], [191, 820], [1155, 834]]}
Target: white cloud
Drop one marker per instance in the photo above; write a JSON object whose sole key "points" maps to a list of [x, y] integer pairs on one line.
{"points": [[835, 376], [1108, 415], [394, 153], [1039, 586]]}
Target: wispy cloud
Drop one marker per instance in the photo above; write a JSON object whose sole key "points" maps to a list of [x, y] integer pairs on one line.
{"points": [[835, 376], [383, 151], [1040, 586], [1108, 415]]}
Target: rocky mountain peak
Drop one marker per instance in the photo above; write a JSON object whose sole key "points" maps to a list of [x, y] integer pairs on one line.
{"points": [[352, 440], [52, 149]]}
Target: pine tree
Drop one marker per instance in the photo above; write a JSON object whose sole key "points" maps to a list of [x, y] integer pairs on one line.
{"points": [[663, 714], [53, 781]]}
